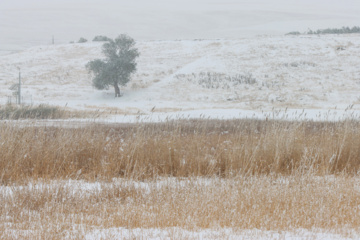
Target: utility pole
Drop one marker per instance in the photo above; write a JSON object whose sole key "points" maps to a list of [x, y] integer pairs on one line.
{"points": [[19, 91]]}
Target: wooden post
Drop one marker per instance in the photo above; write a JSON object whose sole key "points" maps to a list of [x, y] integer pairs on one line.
{"points": [[19, 90]]}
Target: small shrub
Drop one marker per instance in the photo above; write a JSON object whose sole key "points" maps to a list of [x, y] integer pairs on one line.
{"points": [[293, 33], [343, 30], [82, 40], [299, 64], [101, 38]]}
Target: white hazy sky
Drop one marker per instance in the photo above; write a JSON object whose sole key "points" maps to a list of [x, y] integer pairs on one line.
{"points": [[31, 22]]}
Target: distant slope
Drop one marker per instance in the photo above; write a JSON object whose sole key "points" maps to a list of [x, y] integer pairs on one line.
{"points": [[31, 23], [255, 74]]}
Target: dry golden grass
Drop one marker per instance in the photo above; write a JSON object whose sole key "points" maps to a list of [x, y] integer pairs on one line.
{"points": [[191, 174], [43, 111], [178, 149], [64, 209]]}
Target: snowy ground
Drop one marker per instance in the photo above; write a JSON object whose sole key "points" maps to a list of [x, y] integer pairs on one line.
{"points": [[178, 233], [249, 77]]}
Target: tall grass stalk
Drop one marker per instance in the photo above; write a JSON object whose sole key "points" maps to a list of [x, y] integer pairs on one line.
{"points": [[104, 181], [108, 210], [185, 148]]}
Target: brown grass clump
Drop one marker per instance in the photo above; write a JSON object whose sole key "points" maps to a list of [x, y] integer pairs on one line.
{"points": [[42, 111], [178, 149]]}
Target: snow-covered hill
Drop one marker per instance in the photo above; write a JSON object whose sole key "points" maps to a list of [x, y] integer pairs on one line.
{"points": [[218, 78], [30, 23]]}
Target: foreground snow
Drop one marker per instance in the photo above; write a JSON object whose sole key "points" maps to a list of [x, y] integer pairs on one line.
{"points": [[178, 233], [207, 234]]}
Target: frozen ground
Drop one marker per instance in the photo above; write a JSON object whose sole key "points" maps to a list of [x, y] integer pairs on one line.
{"points": [[265, 76]]}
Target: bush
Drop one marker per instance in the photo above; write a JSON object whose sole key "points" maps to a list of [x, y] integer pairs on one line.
{"points": [[293, 33], [82, 40], [343, 30], [101, 39]]}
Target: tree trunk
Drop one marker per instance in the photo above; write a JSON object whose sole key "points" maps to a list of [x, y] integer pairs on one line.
{"points": [[117, 90]]}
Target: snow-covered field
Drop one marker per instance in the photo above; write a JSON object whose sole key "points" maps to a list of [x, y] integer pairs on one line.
{"points": [[316, 73], [247, 77], [199, 59]]}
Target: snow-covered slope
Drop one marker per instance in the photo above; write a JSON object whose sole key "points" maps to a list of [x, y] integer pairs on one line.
{"points": [[223, 78], [26, 23]]}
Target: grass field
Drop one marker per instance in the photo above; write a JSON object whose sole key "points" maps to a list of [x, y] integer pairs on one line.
{"points": [[43, 111], [65, 183]]}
